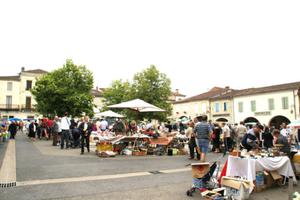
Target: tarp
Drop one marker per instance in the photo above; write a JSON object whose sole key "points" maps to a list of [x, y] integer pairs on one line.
{"points": [[295, 124], [14, 119]]}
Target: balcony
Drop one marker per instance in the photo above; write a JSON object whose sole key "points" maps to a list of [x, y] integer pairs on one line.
{"points": [[27, 108], [9, 107], [17, 107]]}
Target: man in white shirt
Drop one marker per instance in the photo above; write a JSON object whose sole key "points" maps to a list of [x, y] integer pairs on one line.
{"points": [[284, 131], [103, 125], [226, 136], [65, 128]]}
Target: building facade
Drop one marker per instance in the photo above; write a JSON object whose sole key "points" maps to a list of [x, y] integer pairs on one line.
{"points": [[221, 106], [98, 98], [271, 105], [176, 96], [195, 105], [16, 99]]}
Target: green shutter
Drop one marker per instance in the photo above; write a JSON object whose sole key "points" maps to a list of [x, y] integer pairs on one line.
{"points": [[253, 106]]}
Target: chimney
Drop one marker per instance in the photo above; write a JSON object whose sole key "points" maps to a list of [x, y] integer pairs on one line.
{"points": [[227, 87], [97, 88], [22, 69], [177, 91]]}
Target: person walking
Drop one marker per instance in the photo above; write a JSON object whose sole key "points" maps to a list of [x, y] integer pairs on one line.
{"points": [[203, 132], [65, 128], [85, 130]]}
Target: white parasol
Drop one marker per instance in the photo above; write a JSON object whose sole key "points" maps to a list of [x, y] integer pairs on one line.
{"points": [[137, 105], [295, 124], [108, 113]]}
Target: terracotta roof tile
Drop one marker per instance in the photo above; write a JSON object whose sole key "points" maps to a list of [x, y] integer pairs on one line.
{"points": [[10, 78], [273, 88], [204, 96], [36, 71]]}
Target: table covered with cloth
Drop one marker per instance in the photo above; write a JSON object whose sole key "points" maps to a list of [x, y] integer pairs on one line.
{"points": [[247, 167]]}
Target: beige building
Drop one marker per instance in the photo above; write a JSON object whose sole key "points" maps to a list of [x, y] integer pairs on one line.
{"points": [[221, 106], [195, 105], [16, 99], [270, 105], [98, 98], [176, 96]]}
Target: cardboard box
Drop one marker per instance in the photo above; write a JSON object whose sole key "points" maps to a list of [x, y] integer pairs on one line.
{"points": [[200, 169], [104, 146], [213, 194], [268, 179], [210, 195], [237, 188], [235, 153], [276, 177]]}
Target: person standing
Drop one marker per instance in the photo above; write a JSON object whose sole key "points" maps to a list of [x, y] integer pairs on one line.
{"points": [[192, 141], [55, 130], [284, 130], [12, 128], [65, 128], [267, 138], [216, 138], [85, 130], [203, 132], [103, 126], [226, 137], [32, 131], [241, 130]]}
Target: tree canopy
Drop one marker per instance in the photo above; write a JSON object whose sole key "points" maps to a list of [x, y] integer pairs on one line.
{"points": [[67, 89], [149, 85]]}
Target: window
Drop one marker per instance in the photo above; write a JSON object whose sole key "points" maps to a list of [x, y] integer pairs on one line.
{"points": [[9, 86], [285, 103], [271, 104], [253, 106], [28, 85], [8, 101], [225, 106], [240, 107], [217, 109], [203, 108], [28, 103]]}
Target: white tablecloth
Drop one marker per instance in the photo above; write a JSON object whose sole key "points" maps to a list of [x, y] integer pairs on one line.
{"points": [[247, 167]]}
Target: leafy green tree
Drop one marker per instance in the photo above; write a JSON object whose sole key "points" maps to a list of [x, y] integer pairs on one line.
{"points": [[118, 92], [149, 85], [67, 89], [155, 88]]}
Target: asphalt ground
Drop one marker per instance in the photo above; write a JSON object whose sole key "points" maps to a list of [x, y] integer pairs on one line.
{"points": [[39, 161]]}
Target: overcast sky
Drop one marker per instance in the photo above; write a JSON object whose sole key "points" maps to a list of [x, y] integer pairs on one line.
{"points": [[198, 44]]}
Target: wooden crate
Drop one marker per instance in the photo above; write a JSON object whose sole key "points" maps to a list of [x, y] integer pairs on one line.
{"points": [[139, 153]]}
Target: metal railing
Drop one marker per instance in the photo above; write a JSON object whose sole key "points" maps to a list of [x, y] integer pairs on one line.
{"points": [[17, 107]]}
